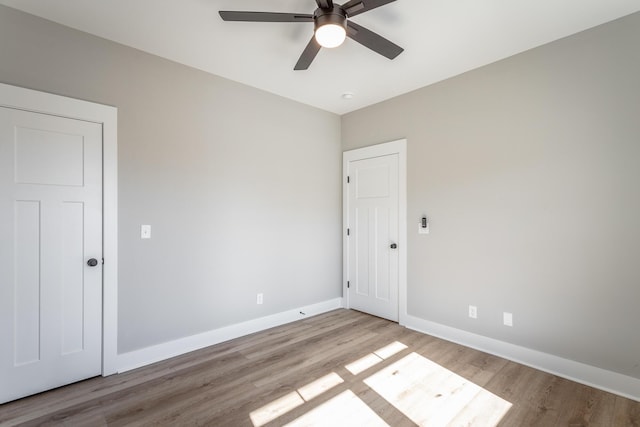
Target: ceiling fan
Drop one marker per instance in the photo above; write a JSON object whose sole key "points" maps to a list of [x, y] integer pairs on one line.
{"points": [[331, 27]]}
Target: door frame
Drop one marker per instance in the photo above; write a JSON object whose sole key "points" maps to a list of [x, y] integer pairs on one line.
{"points": [[398, 147], [107, 116]]}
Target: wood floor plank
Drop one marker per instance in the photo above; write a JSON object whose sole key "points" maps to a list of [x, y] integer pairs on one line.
{"points": [[528, 390], [320, 365], [626, 413], [586, 407]]}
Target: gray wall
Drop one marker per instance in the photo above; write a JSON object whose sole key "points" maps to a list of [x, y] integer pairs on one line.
{"points": [[241, 196], [528, 170]]}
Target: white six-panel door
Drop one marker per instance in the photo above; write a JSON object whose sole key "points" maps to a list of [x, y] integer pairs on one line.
{"points": [[373, 235], [50, 227]]}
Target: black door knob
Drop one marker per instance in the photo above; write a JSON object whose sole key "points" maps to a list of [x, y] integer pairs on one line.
{"points": [[92, 262], [393, 246]]}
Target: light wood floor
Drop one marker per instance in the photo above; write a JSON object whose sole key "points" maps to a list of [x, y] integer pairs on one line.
{"points": [[339, 368]]}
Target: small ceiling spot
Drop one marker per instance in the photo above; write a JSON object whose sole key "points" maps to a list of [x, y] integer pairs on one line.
{"points": [[348, 95]]}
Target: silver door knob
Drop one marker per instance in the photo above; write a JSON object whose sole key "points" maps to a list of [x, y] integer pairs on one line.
{"points": [[92, 262], [393, 246]]}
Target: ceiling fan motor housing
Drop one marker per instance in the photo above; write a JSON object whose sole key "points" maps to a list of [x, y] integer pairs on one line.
{"points": [[336, 16]]}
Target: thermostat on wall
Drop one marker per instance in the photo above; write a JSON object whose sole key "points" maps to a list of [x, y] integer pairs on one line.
{"points": [[423, 226]]}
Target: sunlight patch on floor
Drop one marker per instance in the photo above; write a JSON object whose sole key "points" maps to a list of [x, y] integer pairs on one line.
{"points": [[431, 395], [319, 386], [374, 358], [275, 409], [286, 403], [346, 409], [363, 363]]}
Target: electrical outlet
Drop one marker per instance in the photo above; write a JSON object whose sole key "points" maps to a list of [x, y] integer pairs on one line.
{"points": [[507, 318], [259, 299], [473, 311]]}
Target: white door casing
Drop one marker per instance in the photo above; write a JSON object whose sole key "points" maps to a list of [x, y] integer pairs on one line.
{"points": [[105, 118], [374, 200]]}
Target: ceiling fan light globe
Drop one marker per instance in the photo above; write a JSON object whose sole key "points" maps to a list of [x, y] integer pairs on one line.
{"points": [[330, 35]]}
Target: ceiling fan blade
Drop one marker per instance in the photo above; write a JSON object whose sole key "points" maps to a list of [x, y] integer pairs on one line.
{"points": [[373, 41], [230, 15], [356, 7], [325, 4], [308, 55]]}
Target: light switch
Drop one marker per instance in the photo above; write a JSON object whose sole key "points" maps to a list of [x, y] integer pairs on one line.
{"points": [[145, 231]]}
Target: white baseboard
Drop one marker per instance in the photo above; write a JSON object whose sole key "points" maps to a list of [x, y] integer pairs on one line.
{"points": [[602, 379], [146, 356]]}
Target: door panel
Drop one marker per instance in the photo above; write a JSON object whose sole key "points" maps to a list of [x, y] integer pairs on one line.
{"points": [[72, 273], [51, 224], [373, 226], [47, 157], [27, 282]]}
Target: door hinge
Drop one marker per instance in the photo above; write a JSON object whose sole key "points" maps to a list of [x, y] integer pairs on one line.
{"points": [[348, 284], [347, 180], [102, 261], [348, 232]]}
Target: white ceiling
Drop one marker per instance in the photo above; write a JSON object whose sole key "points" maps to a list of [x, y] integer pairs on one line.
{"points": [[442, 38]]}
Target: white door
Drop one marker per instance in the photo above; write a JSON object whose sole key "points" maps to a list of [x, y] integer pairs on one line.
{"points": [[51, 229], [373, 227]]}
